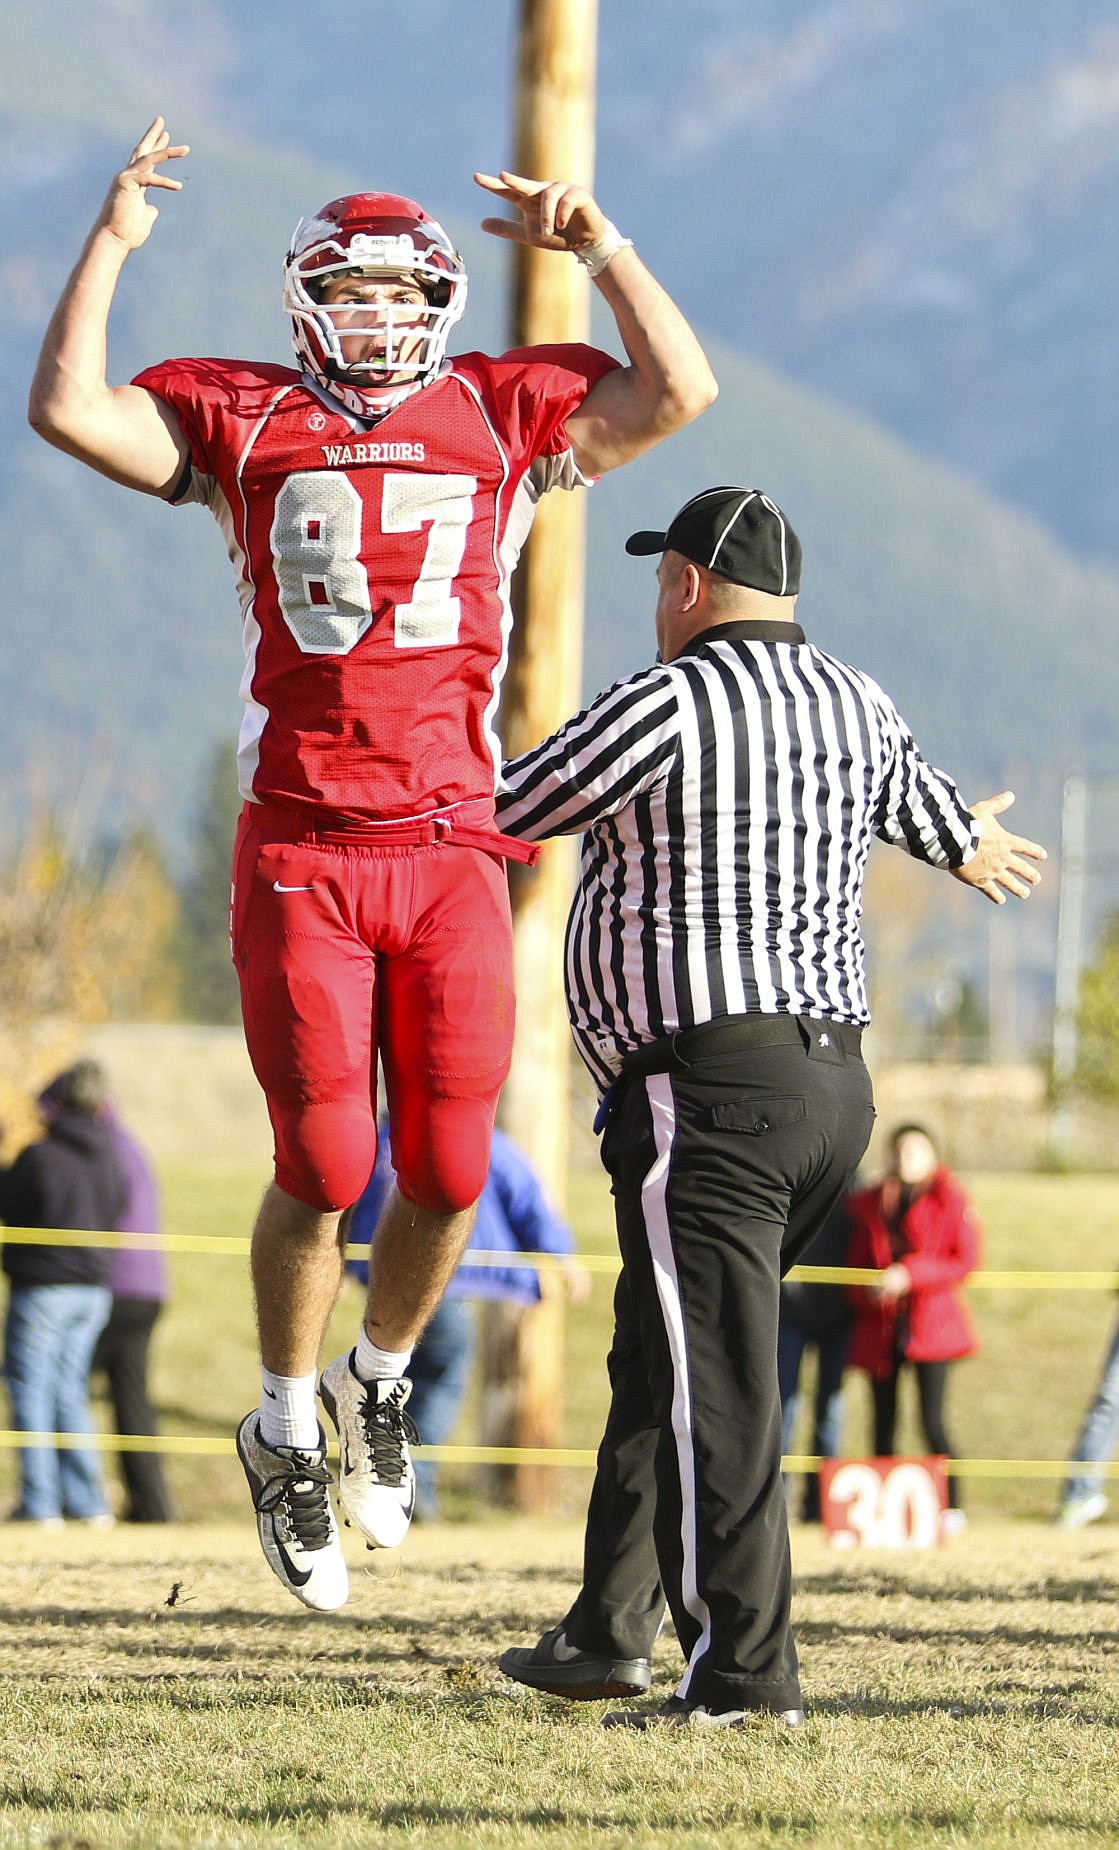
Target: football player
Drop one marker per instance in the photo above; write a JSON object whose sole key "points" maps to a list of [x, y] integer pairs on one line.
{"points": [[373, 499]]}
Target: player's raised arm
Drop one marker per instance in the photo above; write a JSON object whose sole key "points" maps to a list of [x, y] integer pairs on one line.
{"points": [[668, 381], [122, 431]]}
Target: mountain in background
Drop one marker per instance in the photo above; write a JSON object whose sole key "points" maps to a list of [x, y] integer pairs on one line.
{"points": [[894, 221], [924, 218], [910, 204]]}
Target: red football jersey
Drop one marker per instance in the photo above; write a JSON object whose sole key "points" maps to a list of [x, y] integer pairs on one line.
{"points": [[373, 565]]}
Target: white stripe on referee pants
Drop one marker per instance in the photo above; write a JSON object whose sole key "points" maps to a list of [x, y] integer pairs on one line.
{"points": [[658, 1090]]}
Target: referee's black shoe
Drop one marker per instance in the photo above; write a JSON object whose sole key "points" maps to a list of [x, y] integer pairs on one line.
{"points": [[678, 1713], [560, 1669]]}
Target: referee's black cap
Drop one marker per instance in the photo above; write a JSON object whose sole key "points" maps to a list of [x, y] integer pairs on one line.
{"points": [[737, 532]]}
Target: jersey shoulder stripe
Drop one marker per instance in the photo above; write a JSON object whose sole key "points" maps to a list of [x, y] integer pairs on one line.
{"points": [[212, 378]]}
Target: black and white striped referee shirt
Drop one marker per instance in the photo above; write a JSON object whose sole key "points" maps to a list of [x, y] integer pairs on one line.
{"points": [[727, 801]]}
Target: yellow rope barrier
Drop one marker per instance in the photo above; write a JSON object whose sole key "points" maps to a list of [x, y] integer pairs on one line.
{"points": [[238, 1245], [575, 1458]]}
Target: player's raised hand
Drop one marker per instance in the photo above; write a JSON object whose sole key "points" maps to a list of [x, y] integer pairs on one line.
{"points": [[1002, 860], [552, 214], [127, 212]]}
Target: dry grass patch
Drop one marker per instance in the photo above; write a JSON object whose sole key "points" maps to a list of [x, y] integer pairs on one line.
{"points": [[161, 1690]]}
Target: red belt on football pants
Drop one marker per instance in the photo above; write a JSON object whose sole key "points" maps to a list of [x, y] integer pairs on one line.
{"points": [[409, 832]]}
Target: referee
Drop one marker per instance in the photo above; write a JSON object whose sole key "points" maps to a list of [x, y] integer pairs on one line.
{"points": [[727, 798]]}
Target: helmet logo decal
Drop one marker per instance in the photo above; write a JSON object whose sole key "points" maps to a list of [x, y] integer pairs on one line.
{"points": [[384, 253]]}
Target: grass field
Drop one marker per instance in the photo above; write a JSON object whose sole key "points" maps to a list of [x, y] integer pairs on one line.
{"points": [[967, 1697], [157, 1687]]}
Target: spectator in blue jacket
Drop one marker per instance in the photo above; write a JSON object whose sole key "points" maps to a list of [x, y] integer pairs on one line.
{"points": [[1084, 1500], [514, 1216]]}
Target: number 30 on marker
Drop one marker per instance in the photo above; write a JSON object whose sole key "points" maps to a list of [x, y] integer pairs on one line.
{"points": [[884, 1502]]}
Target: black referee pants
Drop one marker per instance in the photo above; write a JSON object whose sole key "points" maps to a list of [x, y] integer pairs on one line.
{"points": [[721, 1174]]}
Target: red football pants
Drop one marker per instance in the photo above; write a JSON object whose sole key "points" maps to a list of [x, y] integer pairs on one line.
{"points": [[345, 951]]}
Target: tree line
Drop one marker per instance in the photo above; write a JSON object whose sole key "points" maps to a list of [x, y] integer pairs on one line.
{"points": [[94, 931]]}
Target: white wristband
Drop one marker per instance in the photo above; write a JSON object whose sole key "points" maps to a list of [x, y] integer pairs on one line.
{"points": [[595, 257]]}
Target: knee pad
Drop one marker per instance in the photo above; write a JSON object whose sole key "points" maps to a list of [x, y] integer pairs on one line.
{"points": [[442, 1159], [324, 1152]]}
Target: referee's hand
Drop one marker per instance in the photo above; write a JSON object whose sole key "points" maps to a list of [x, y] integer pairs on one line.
{"points": [[1001, 859]]}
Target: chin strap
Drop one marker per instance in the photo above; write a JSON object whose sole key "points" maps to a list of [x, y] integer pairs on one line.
{"points": [[372, 405]]}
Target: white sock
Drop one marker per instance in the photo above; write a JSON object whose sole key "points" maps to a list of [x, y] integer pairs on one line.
{"points": [[289, 1414], [373, 1364]]}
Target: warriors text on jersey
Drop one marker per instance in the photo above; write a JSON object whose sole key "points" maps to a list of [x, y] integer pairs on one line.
{"points": [[373, 565]]}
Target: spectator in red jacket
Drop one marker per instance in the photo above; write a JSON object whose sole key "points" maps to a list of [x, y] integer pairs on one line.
{"points": [[919, 1229]]}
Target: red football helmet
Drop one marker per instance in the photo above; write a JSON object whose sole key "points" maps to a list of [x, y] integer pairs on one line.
{"points": [[373, 235]]}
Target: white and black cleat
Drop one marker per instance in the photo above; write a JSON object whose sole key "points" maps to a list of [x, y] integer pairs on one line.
{"points": [[294, 1519], [376, 1482]]}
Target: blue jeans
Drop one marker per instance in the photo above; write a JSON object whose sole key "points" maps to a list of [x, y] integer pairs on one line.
{"points": [[49, 1338], [1099, 1434], [438, 1372]]}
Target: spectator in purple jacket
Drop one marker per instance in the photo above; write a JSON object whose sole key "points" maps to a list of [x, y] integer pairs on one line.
{"points": [[140, 1284]]}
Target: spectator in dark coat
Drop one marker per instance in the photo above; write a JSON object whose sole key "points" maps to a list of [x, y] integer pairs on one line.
{"points": [[59, 1296], [919, 1229], [816, 1316], [140, 1284]]}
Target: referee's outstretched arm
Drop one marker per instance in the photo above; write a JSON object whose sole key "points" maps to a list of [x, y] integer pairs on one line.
{"points": [[1001, 859]]}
